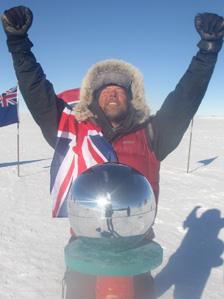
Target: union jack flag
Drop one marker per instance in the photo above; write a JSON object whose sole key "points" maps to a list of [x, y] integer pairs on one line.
{"points": [[80, 145], [8, 107]]}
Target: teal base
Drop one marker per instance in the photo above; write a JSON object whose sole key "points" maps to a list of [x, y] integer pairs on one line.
{"points": [[83, 258]]}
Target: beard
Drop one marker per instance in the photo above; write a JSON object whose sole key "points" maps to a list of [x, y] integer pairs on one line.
{"points": [[117, 117]]}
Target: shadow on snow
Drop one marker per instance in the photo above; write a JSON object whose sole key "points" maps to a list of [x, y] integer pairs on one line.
{"points": [[8, 164], [204, 163], [188, 269]]}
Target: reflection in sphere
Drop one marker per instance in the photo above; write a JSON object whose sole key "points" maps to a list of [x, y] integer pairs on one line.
{"points": [[111, 204]]}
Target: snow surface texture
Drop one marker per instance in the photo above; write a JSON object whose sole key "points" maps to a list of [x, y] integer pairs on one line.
{"points": [[189, 224]]}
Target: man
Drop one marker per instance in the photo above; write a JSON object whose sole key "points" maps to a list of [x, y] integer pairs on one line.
{"points": [[112, 105]]}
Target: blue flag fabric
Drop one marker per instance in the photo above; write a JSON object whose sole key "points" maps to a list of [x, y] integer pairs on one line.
{"points": [[8, 107]]}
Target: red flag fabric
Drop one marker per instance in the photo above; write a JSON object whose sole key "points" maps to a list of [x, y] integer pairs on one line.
{"points": [[70, 96]]}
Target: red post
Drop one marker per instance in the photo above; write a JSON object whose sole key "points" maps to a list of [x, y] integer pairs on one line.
{"points": [[114, 287]]}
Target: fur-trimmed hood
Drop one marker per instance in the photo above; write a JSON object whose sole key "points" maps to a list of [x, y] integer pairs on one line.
{"points": [[112, 71]]}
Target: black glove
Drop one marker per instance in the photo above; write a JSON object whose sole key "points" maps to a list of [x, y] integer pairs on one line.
{"points": [[211, 29], [17, 21]]}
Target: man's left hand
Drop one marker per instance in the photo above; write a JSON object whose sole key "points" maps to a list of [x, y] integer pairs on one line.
{"points": [[211, 29]]}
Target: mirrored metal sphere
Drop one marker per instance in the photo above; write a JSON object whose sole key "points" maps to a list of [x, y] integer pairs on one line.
{"points": [[111, 201]]}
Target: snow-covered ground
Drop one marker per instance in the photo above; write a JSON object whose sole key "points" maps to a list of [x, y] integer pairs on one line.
{"points": [[188, 226]]}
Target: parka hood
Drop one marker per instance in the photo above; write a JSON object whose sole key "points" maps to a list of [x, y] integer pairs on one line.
{"points": [[112, 71]]}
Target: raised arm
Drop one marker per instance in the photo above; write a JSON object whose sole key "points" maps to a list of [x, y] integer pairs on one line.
{"points": [[172, 120], [37, 91]]}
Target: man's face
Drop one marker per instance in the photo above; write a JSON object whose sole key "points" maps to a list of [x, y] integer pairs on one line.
{"points": [[114, 103]]}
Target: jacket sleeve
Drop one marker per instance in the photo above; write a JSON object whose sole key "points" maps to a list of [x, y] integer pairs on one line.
{"points": [[36, 90], [172, 120]]}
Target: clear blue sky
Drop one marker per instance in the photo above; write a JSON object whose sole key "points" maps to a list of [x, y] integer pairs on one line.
{"points": [[157, 36]]}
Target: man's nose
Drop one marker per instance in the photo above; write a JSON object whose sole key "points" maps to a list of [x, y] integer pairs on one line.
{"points": [[113, 92]]}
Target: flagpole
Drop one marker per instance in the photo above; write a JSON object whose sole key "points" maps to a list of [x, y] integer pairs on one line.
{"points": [[18, 168], [189, 150], [18, 139]]}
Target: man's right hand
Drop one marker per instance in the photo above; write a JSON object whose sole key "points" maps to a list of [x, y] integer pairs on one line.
{"points": [[17, 21]]}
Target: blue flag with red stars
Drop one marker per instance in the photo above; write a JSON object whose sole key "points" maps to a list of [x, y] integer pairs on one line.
{"points": [[8, 107]]}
